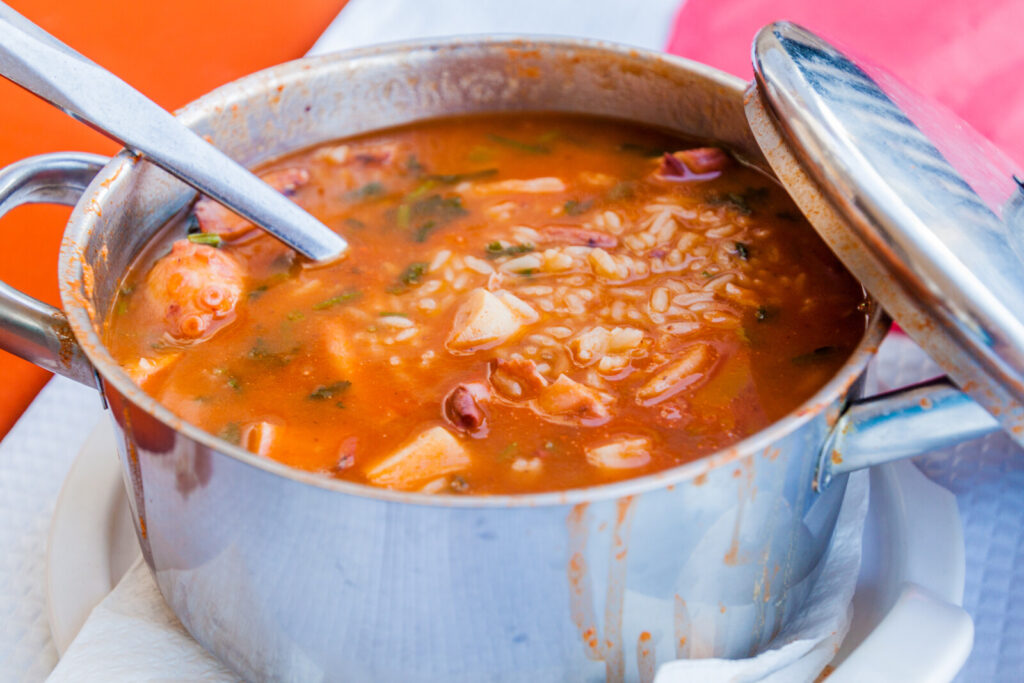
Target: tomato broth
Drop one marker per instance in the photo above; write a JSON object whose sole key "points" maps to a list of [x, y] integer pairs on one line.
{"points": [[529, 303]]}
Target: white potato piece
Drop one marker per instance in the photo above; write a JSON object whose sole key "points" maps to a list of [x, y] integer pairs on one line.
{"points": [[432, 454], [622, 454], [486, 319], [693, 366]]}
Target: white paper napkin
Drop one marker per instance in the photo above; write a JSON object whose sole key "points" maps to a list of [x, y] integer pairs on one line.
{"points": [[133, 636]]}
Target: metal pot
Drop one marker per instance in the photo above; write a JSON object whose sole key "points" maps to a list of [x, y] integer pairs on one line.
{"points": [[287, 575]]}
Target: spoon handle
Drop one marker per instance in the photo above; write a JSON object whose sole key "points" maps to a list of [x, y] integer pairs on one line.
{"points": [[43, 65]]}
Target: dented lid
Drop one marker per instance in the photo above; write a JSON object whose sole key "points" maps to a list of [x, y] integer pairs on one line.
{"points": [[922, 209]]}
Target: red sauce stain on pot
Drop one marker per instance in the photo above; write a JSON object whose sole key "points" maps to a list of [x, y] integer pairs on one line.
{"points": [[581, 598], [681, 627], [607, 646], [645, 659], [615, 665]]}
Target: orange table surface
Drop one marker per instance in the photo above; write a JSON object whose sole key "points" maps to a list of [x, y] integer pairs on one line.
{"points": [[171, 51]]}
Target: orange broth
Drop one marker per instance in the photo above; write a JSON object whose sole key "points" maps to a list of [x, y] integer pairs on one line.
{"points": [[551, 300]]}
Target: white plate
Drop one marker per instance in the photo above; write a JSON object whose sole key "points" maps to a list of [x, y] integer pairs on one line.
{"points": [[907, 625]]}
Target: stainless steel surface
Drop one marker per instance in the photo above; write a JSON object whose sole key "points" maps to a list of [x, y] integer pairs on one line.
{"points": [[928, 208], [286, 574], [35, 331], [40, 63], [901, 424]]}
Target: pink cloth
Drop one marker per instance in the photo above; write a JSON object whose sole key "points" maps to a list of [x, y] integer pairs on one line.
{"points": [[968, 55]]}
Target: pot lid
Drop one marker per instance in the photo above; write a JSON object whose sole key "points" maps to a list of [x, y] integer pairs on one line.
{"points": [[923, 210]]}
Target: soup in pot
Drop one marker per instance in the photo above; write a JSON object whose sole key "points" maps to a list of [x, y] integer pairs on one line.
{"points": [[529, 303]]}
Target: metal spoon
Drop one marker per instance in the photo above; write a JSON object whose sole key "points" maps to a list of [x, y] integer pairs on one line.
{"points": [[43, 65]]}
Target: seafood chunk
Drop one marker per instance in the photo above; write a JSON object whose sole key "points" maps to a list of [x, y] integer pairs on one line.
{"points": [[463, 406], [621, 454], [433, 453], [217, 219], [516, 378], [486, 319], [567, 398], [195, 288], [601, 344], [700, 163], [693, 366]]}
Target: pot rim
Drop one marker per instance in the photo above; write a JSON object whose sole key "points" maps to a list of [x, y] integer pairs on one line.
{"points": [[85, 323]]}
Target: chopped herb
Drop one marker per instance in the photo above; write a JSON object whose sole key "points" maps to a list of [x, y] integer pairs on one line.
{"points": [[623, 190], [423, 232], [741, 202], [402, 216], [229, 378], [413, 165], [388, 314], [206, 238], [526, 271], [296, 315], [509, 451], [231, 432], [574, 207], [480, 154], [538, 148], [761, 314], [456, 178], [435, 210], [819, 354], [322, 393], [355, 223], [458, 484], [497, 250], [342, 298], [421, 189], [705, 273], [743, 251], [339, 404], [275, 279], [410, 277], [367, 191], [641, 150], [261, 352], [413, 273]]}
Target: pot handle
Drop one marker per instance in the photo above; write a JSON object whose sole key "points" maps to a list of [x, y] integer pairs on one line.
{"points": [[901, 424], [29, 328]]}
